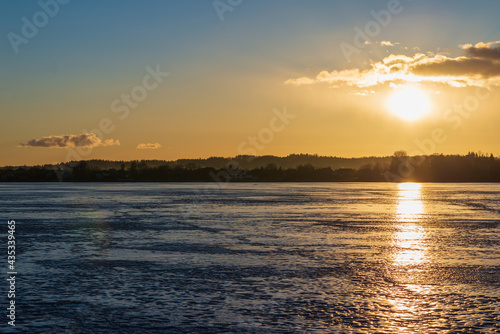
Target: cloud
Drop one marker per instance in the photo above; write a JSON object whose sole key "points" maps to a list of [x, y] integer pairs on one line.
{"points": [[383, 43], [480, 66], [461, 66], [386, 43], [81, 140], [489, 50], [364, 92], [151, 146]]}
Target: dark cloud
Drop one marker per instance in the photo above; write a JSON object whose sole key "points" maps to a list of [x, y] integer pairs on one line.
{"points": [[461, 66], [81, 140], [489, 50]]}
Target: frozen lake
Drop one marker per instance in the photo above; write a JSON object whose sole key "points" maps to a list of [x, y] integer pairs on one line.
{"points": [[254, 258]]}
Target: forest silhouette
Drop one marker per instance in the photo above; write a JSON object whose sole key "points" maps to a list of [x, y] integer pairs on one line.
{"points": [[473, 167]]}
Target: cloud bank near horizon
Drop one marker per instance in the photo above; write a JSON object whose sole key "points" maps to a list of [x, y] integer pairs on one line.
{"points": [[479, 66], [62, 141]]}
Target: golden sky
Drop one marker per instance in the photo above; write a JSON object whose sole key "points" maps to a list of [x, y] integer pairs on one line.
{"points": [[188, 80]]}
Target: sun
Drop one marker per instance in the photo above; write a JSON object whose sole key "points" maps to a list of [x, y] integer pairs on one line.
{"points": [[409, 103]]}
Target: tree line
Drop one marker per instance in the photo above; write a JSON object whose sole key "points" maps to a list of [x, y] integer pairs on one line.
{"points": [[473, 167]]}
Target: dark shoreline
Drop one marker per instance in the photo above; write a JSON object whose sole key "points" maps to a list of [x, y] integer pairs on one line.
{"points": [[243, 182], [473, 167]]}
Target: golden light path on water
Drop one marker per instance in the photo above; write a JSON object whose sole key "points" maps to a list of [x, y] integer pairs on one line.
{"points": [[409, 236], [409, 241]]}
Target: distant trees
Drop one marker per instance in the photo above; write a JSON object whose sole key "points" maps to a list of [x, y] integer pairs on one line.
{"points": [[81, 171], [399, 158], [473, 167]]}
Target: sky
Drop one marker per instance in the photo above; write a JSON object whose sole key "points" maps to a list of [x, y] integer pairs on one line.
{"points": [[125, 80]]}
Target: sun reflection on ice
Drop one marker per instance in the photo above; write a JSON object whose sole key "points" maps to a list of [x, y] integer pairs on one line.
{"points": [[409, 236], [409, 250], [409, 242], [410, 207]]}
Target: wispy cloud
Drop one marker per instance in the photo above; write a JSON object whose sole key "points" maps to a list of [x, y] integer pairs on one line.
{"points": [[364, 92], [81, 140], [383, 43], [150, 146], [387, 43], [480, 66]]}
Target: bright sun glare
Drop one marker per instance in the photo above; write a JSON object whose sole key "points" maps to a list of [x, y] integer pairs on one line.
{"points": [[409, 103]]}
